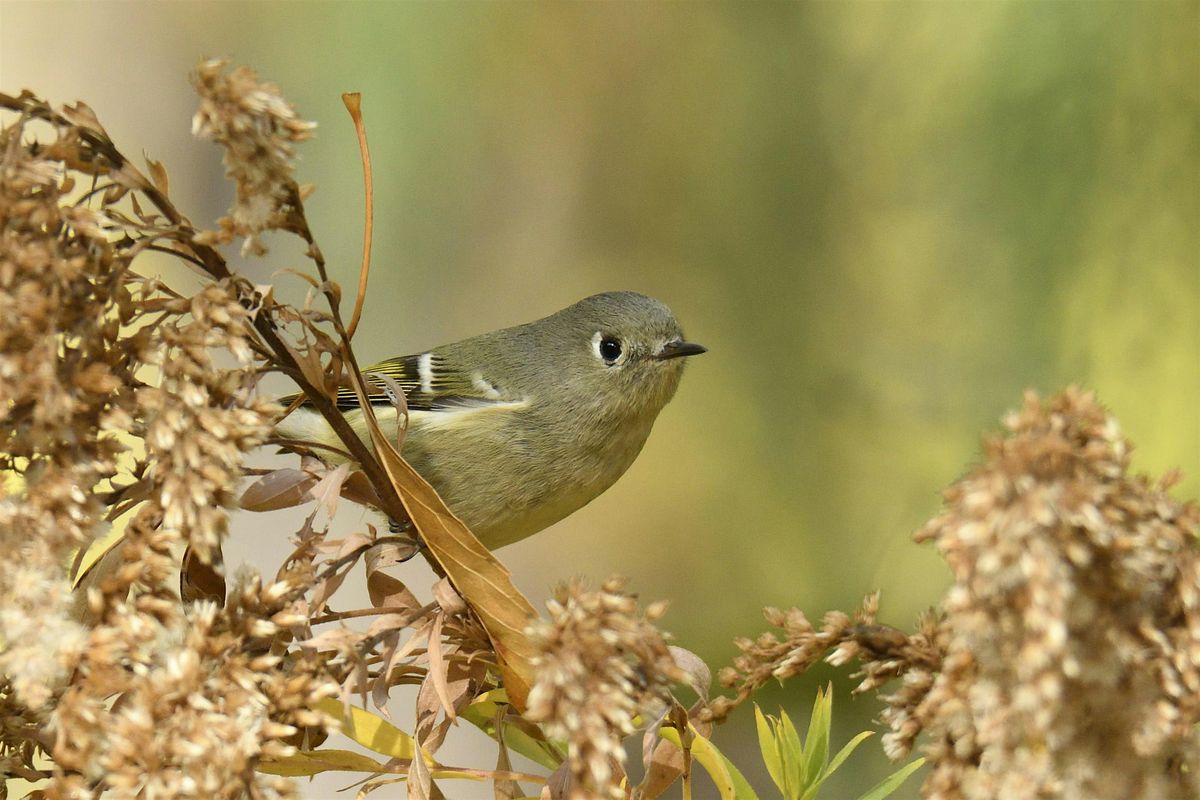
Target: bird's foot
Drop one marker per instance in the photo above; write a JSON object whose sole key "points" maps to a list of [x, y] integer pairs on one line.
{"points": [[406, 526]]}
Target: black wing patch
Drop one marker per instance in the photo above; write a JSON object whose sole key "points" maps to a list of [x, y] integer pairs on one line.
{"points": [[442, 389]]}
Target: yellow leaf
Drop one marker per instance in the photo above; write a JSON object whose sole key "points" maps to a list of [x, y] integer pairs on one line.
{"points": [[370, 730], [310, 762], [101, 545], [731, 784], [98, 548]]}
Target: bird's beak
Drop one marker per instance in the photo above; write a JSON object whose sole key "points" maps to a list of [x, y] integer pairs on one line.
{"points": [[679, 348]]}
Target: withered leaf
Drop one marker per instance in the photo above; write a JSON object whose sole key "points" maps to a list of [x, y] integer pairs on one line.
{"points": [[437, 665], [201, 581], [380, 687], [558, 785], [342, 639], [450, 600], [358, 489], [505, 789], [81, 114], [329, 488], [326, 588], [699, 674], [668, 761], [309, 362], [399, 401], [420, 782], [419, 636], [388, 622], [114, 193], [158, 175], [283, 488], [383, 589]]}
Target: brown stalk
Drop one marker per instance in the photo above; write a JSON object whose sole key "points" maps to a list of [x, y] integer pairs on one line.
{"points": [[353, 101]]}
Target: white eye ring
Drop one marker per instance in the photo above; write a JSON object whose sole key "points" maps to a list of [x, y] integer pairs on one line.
{"points": [[608, 348]]}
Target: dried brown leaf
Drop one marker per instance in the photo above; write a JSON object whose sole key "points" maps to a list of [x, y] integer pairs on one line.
{"points": [[437, 665], [504, 789], [389, 622], [341, 639], [201, 581], [399, 400], [81, 114], [283, 488], [113, 194], [432, 727], [419, 636], [381, 686], [420, 781], [358, 489], [699, 674], [309, 362], [450, 600], [326, 588], [667, 762], [558, 785], [329, 488], [383, 589], [158, 175]]}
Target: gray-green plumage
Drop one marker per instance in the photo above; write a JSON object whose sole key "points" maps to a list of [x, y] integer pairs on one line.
{"points": [[519, 427]]}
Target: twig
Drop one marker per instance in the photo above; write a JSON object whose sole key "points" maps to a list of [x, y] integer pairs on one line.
{"points": [[353, 101], [335, 616]]}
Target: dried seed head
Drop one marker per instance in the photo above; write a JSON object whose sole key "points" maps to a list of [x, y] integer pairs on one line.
{"points": [[601, 665], [257, 129]]}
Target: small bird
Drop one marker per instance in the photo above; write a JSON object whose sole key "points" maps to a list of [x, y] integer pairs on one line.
{"points": [[520, 427]]}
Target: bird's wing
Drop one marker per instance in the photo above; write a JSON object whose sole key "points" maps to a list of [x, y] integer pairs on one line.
{"points": [[427, 383]]}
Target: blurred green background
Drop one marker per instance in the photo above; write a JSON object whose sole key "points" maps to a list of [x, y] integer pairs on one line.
{"points": [[885, 220]]}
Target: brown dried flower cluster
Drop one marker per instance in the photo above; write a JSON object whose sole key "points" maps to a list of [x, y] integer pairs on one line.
{"points": [[153, 698], [201, 418], [60, 361], [203, 699], [257, 129], [1065, 661], [601, 665], [1072, 663], [770, 657]]}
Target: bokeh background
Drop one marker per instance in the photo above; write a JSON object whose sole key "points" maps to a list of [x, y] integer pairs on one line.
{"points": [[885, 220]]}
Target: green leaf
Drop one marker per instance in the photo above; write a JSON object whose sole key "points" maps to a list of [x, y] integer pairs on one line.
{"points": [[792, 751], [816, 743], [482, 714], [730, 782], [845, 752], [770, 749], [892, 782], [811, 790]]}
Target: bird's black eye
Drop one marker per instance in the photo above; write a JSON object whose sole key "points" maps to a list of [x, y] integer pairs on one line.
{"points": [[610, 350]]}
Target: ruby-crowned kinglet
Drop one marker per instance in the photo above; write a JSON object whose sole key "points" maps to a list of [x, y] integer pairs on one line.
{"points": [[519, 427]]}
